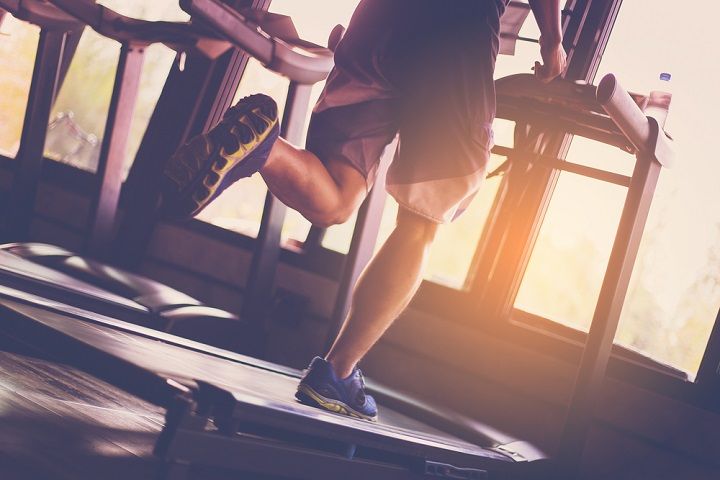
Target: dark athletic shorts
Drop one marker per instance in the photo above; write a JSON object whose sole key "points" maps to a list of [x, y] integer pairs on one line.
{"points": [[422, 69]]}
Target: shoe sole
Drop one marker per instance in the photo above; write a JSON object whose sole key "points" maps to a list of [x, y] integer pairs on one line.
{"points": [[188, 188], [308, 395]]}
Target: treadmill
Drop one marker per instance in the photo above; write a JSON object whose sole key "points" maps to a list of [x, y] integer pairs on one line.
{"points": [[236, 413], [77, 280], [227, 411]]}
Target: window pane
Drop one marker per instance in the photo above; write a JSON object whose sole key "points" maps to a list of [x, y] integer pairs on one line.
{"points": [[18, 42], [77, 121], [567, 265], [675, 294], [78, 117], [599, 155]]}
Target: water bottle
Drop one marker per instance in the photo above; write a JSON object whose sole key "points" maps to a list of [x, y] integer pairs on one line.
{"points": [[659, 99]]}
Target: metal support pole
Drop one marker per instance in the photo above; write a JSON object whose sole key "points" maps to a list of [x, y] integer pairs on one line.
{"points": [[591, 374], [29, 159], [113, 151], [259, 287], [314, 239]]}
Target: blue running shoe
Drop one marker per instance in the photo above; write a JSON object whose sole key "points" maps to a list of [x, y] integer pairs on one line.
{"points": [[235, 148], [321, 388]]}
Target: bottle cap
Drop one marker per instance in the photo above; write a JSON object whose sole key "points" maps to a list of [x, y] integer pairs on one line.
{"points": [[664, 76]]}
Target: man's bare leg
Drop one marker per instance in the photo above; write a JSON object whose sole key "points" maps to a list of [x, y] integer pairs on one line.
{"points": [[324, 194], [384, 290], [328, 195]]}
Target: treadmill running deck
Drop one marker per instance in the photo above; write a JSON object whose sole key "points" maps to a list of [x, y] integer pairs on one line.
{"points": [[158, 371]]}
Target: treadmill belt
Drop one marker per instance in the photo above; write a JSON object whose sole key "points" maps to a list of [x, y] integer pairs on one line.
{"points": [[139, 364]]}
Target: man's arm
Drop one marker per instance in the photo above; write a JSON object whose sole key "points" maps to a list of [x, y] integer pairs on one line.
{"points": [[547, 15]]}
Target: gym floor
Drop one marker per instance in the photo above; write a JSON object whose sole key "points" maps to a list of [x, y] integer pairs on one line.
{"points": [[60, 423]]}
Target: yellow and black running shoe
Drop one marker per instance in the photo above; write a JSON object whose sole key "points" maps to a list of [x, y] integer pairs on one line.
{"points": [[235, 148]]}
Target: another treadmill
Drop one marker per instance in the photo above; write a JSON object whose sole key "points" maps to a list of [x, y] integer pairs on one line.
{"points": [[78, 280]]}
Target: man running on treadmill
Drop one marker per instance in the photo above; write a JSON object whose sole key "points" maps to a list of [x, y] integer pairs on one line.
{"points": [[418, 69]]}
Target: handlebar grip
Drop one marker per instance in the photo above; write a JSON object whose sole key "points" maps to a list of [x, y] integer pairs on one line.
{"points": [[624, 111]]}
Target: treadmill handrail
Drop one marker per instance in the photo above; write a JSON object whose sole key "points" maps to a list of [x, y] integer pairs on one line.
{"points": [[40, 13], [568, 105], [300, 63], [122, 28], [608, 113], [644, 132]]}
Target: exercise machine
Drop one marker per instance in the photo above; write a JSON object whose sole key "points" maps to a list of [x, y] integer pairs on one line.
{"points": [[85, 281], [231, 412], [236, 413], [271, 39]]}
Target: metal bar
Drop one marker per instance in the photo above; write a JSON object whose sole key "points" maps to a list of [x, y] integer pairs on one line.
{"points": [[293, 60], [29, 159], [234, 26], [590, 172], [362, 248], [591, 374], [259, 287], [167, 130], [314, 239], [564, 165], [519, 37], [113, 151]]}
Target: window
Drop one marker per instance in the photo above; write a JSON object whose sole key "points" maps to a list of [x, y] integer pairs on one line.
{"points": [[675, 290], [18, 42], [563, 278], [77, 121]]}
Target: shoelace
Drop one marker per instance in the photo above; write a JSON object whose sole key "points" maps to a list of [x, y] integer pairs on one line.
{"points": [[361, 378]]}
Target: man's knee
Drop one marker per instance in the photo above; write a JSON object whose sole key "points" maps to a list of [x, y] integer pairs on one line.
{"points": [[328, 218], [418, 228], [351, 191]]}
